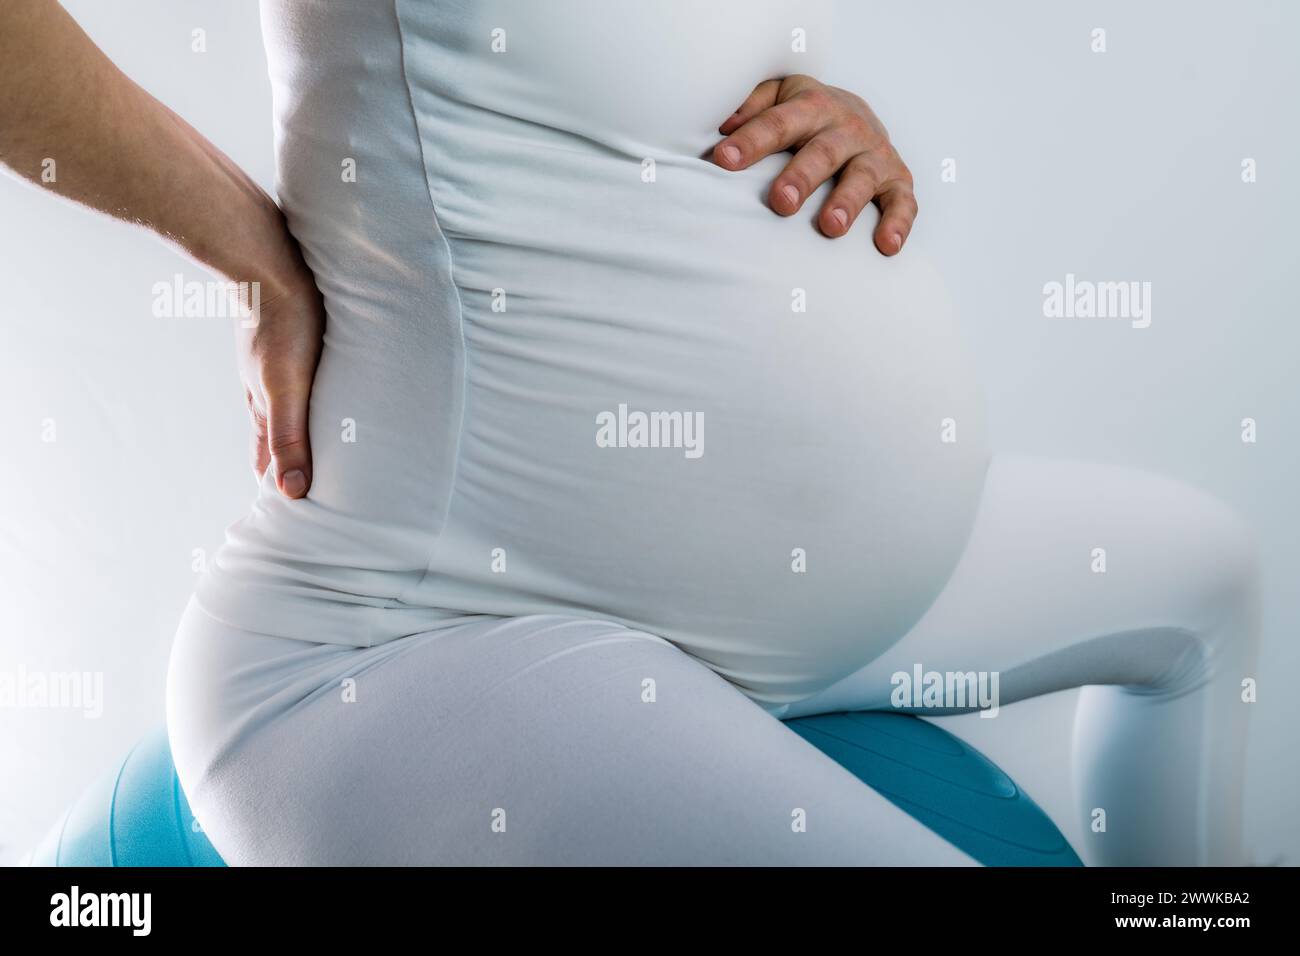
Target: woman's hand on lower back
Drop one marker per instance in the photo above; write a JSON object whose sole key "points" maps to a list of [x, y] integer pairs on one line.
{"points": [[124, 153], [830, 131], [278, 351]]}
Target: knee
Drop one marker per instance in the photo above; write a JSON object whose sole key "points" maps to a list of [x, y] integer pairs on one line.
{"points": [[1216, 568], [1191, 600], [1225, 566], [1186, 555], [1191, 562]]}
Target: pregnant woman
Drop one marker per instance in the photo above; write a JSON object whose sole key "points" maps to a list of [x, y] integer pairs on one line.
{"points": [[610, 468]]}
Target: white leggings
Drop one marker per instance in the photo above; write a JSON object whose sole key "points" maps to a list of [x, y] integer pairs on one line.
{"points": [[538, 739]]}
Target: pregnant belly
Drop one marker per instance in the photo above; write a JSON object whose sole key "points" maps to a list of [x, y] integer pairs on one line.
{"points": [[686, 413], [524, 262]]}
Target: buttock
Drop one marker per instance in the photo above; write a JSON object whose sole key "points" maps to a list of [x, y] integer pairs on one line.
{"points": [[229, 690]]}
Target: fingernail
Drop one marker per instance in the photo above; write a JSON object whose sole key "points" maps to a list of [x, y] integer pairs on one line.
{"points": [[731, 154], [840, 217], [791, 194], [898, 240], [294, 483]]}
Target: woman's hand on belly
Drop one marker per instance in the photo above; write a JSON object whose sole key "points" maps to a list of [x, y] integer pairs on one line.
{"points": [[830, 131]]}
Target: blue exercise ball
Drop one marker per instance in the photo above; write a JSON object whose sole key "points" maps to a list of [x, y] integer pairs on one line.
{"points": [[137, 815]]}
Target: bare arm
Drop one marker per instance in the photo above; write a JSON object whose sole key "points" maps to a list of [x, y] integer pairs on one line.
{"points": [[118, 150]]}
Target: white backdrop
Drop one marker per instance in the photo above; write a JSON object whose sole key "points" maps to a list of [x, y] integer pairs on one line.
{"points": [[1122, 165]]}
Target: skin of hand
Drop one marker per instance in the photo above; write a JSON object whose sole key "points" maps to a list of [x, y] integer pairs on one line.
{"points": [[118, 150], [277, 363], [830, 131]]}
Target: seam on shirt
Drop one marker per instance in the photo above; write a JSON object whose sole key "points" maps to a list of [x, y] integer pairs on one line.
{"points": [[460, 306]]}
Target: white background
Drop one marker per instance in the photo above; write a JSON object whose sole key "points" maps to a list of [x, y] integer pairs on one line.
{"points": [[1116, 166]]}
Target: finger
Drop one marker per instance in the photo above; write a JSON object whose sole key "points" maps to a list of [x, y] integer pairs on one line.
{"points": [[898, 211], [259, 456], [287, 398], [775, 129], [816, 161], [858, 184], [764, 95]]}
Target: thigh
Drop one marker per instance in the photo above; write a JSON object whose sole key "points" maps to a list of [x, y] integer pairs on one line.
{"points": [[1078, 574], [547, 740]]}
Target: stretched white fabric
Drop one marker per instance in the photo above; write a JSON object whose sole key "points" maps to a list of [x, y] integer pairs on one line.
{"points": [[501, 273], [521, 248], [298, 752]]}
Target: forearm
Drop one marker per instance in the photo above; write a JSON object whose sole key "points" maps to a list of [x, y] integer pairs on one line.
{"points": [[118, 150]]}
